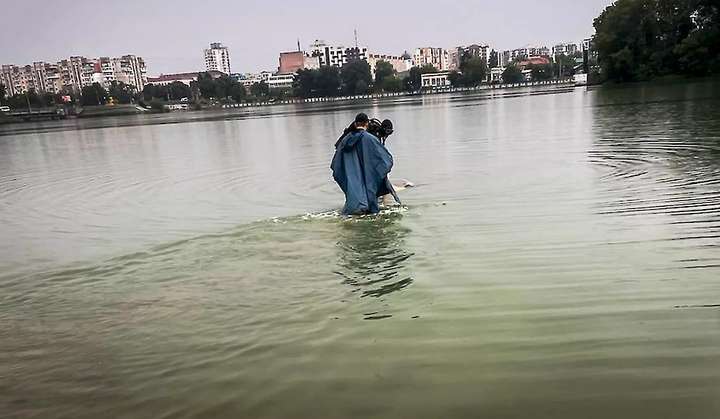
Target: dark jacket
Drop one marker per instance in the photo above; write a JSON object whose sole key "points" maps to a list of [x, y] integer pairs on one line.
{"points": [[360, 167]]}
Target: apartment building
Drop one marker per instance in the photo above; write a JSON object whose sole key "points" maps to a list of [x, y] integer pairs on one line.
{"points": [[336, 55], [217, 58], [73, 74], [437, 57]]}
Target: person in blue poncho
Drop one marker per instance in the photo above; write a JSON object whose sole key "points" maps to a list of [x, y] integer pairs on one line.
{"points": [[360, 167]]}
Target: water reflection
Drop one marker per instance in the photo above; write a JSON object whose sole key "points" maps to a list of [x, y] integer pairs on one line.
{"points": [[372, 255], [657, 151]]}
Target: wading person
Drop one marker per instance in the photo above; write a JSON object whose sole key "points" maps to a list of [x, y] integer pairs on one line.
{"points": [[360, 167]]}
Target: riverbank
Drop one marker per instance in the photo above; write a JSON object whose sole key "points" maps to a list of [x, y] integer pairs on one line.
{"points": [[114, 110], [100, 111], [499, 86]]}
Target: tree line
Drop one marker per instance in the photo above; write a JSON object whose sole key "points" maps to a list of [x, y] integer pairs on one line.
{"points": [[641, 39], [95, 94], [206, 88]]}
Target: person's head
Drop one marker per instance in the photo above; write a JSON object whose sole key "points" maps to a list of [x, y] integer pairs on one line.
{"points": [[387, 127], [361, 121]]}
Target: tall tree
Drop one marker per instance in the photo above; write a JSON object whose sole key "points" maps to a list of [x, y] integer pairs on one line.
{"points": [[121, 92], [564, 66], [413, 82], [474, 71], [328, 81], [178, 90], [3, 93], [93, 95], [383, 70], [541, 72], [392, 84], [641, 39], [494, 59], [237, 92], [512, 74], [356, 77], [206, 85], [260, 89], [304, 84]]}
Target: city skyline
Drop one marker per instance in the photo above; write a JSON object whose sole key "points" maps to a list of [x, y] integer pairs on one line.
{"points": [[255, 34]]}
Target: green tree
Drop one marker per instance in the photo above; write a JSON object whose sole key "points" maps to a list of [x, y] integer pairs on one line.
{"points": [[564, 65], [413, 82], [178, 90], [206, 85], [48, 99], [93, 95], [392, 84], [641, 39], [512, 74], [383, 71], [323, 82], [155, 91], [121, 92], [305, 83], [474, 70], [625, 39], [328, 81], [17, 102], [260, 89], [223, 87], [541, 72], [456, 79], [699, 52], [494, 59], [237, 91], [356, 77]]}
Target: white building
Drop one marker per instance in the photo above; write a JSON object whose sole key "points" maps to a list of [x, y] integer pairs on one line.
{"points": [[336, 55], [281, 81], [529, 51], [496, 74], [248, 79], [217, 58], [564, 49], [435, 80], [132, 70], [437, 57]]}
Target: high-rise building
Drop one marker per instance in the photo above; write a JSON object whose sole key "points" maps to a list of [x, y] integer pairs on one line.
{"points": [[217, 58], [131, 70], [437, 57]]}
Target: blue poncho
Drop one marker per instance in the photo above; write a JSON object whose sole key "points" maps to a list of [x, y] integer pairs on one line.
{"points": [[360, 166]]}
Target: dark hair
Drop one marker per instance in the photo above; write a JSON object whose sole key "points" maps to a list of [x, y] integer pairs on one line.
{"points": [[361, 119]]}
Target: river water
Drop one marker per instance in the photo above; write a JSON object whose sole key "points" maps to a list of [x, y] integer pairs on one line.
{"points": [[559, 258]]}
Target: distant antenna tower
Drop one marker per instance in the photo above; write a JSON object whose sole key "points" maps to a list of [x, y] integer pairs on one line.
{"points": [[356, 41]]}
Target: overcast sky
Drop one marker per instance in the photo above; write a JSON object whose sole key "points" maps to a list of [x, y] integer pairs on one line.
{"points": [[171, 35]]}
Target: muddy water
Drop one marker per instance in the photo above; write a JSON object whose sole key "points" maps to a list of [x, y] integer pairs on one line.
{"points": [[558, 259]]}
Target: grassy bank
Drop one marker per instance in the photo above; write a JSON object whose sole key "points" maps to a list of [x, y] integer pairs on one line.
{"points": [[115, 110]]}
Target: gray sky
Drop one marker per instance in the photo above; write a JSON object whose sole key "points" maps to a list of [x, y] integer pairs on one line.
{"points": [[171, 35]]}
